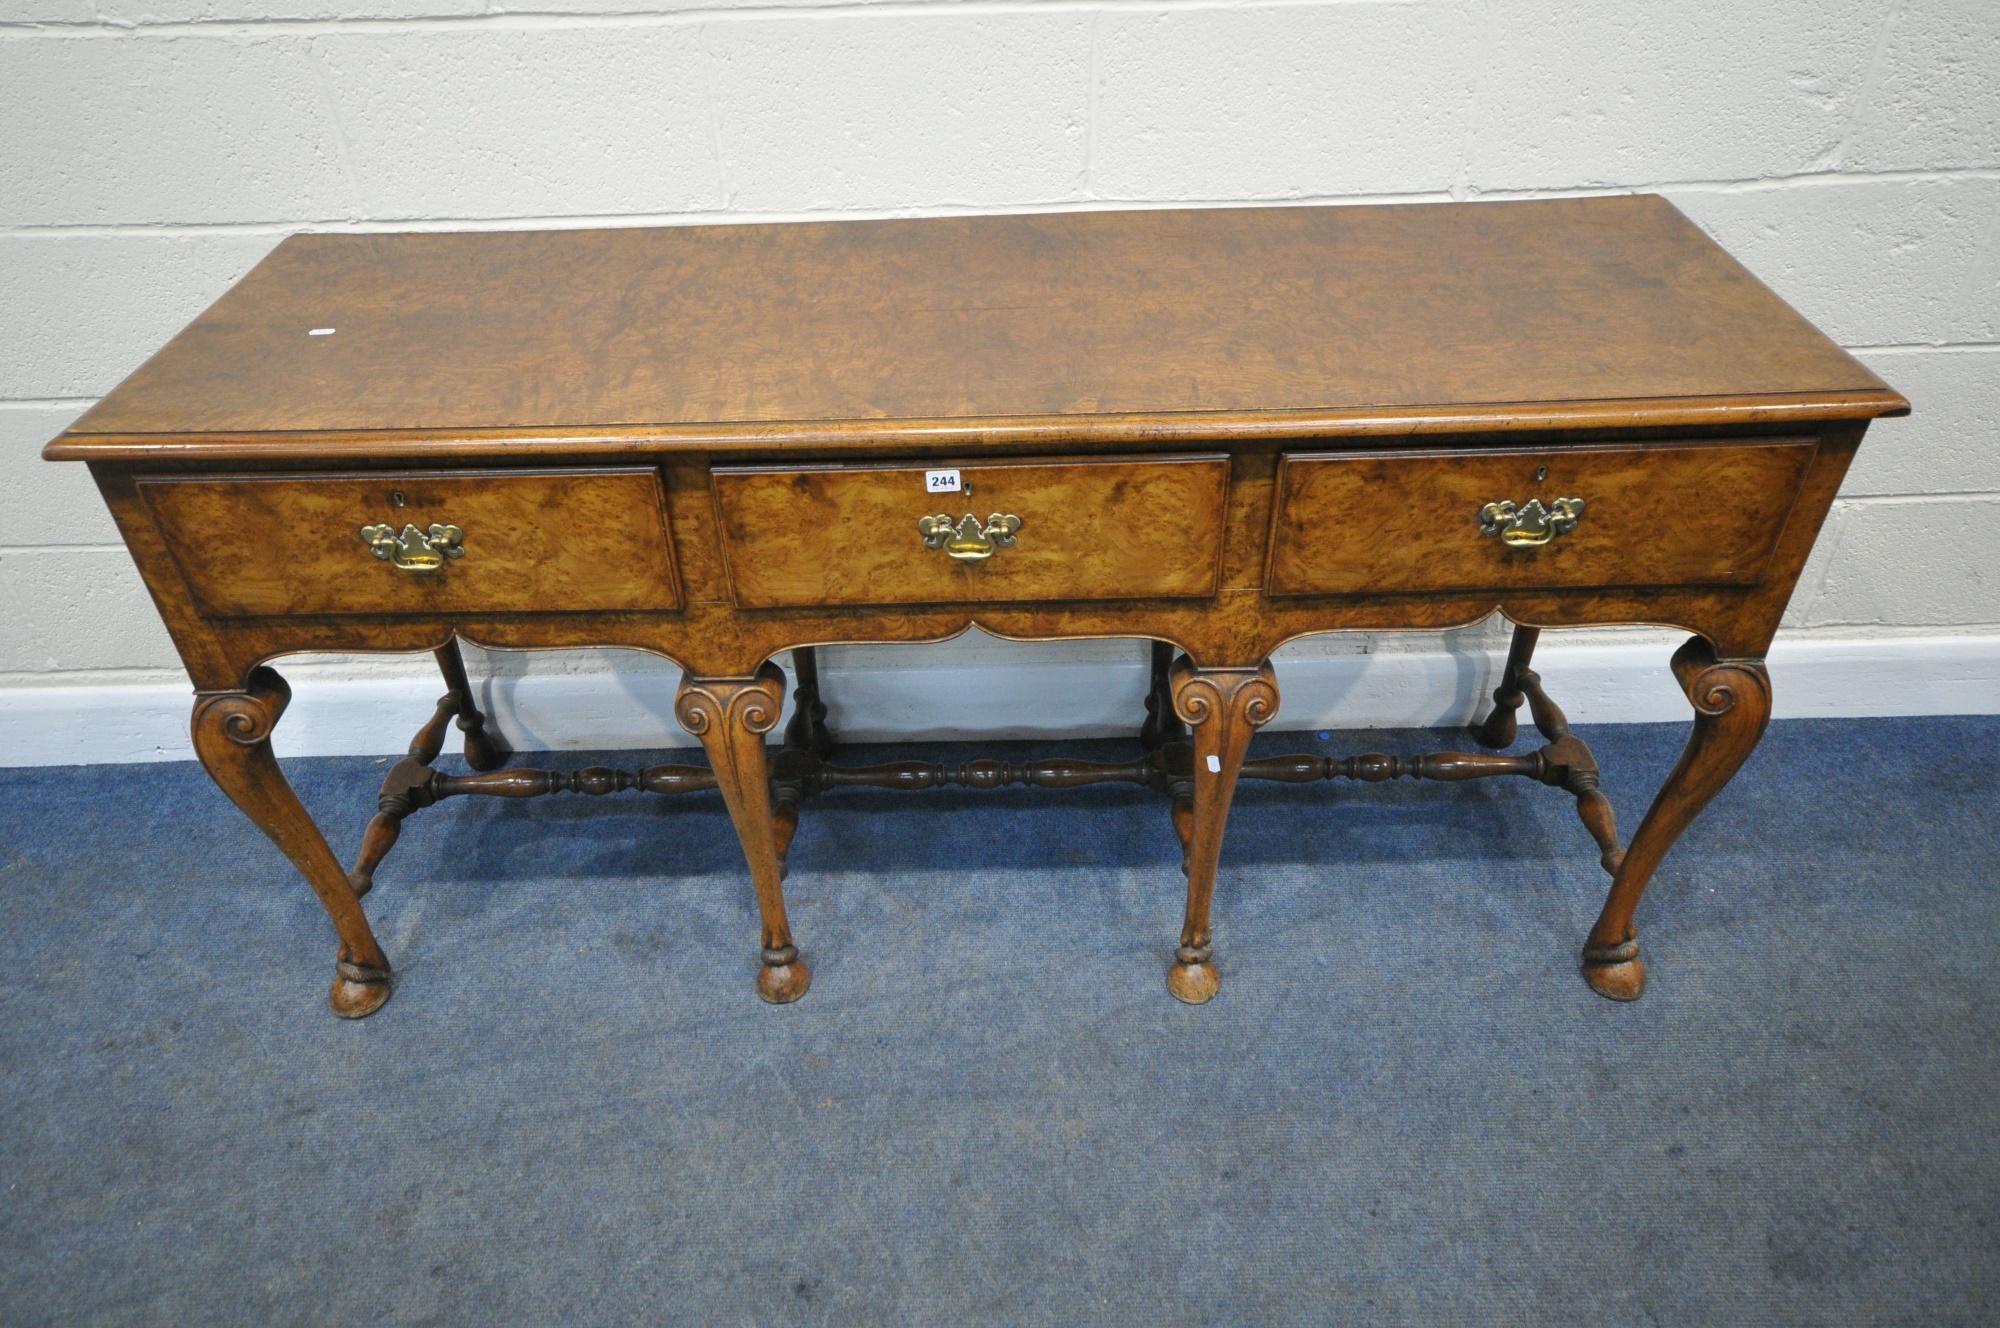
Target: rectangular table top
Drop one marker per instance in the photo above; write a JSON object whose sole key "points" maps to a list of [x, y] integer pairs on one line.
{"points": [[1137, 326]]}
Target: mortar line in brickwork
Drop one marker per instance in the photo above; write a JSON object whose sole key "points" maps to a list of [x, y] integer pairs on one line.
{"points": [[1917, 347], [1929, 499], [1800, 180], [528, 20], [723, 217], [6, 549]]}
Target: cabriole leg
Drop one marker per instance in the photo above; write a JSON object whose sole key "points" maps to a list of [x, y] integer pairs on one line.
{"points": [[232, 736], [731, 717], [1732, 706], [1223, 706]]}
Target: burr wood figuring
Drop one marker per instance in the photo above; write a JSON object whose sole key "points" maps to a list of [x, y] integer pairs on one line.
{"points": [[1214, 430]]}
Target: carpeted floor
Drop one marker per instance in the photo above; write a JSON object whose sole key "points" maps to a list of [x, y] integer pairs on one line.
{"points": [[1404, 1107]]}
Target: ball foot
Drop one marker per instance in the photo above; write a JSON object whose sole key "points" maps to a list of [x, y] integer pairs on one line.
{"points": [[1193, 980], [1615, 972], [783, 978]]}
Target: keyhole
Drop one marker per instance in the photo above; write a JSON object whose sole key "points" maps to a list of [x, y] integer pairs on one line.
{"points": [[396, 499], [1541, 473], [968, 490]]}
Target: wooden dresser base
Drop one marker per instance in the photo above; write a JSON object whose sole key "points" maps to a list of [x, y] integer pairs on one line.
{"points": [[1219, 429], [1183, 706]]}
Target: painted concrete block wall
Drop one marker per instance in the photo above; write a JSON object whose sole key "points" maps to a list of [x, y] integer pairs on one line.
{"points": [[151, 151]]}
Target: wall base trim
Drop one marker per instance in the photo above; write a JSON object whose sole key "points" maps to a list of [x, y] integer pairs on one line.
{"points": [[872, 701]]}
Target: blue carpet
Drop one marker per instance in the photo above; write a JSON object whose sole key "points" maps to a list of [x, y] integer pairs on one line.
{"points": [[1404, 1107]]}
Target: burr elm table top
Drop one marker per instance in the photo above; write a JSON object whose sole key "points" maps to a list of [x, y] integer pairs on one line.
{"points": [[1091, 325]]}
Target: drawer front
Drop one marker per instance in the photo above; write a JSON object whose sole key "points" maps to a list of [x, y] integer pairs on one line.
{"points": [[1658, 515], [1139, 528], [532, 541]]}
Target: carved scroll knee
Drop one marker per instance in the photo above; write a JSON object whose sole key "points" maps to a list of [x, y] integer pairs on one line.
{"points": [[1223, 707], [731, 717]]}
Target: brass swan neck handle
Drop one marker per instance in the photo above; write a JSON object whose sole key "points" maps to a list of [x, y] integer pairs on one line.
{"points": [[968, 541], [414, 550], [1532, 525]]}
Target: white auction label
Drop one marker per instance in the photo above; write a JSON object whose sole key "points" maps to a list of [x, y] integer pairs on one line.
{"points": [[1214, 765], [941, 481]]}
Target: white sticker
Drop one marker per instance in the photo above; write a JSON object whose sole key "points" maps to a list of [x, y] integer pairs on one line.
{"points": [[320, 332], [1214, 765], [940, 481]]}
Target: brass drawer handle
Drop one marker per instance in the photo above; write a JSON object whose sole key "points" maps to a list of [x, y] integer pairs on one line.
{"points": [[969, 542], [414, 550], [1531, 526]]}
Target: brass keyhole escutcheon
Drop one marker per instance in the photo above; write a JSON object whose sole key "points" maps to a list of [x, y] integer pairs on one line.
{"points": [[1532, 525], [968, 541]]}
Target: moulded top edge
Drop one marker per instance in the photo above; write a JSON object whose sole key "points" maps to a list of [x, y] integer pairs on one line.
{"points": [[1082, 430]]}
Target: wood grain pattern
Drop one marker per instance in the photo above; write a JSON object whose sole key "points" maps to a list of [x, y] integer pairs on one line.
{"points": [[731, 717], [759, 335], [1659, 514], [715, 638], [268, 545], [411, 782], [1468, 424], [232, 737], [484, 749], [1222, 708], [1732, 708], [1090, 530], [1223, 430]]}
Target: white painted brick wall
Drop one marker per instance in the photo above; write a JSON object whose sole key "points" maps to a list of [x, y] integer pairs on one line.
{"points": [[81, 309], [1950, 443], [1589, 94], [1292, 102], [152, 150], [117, 131], [900, 111], [1874, 263], [478, 123]]}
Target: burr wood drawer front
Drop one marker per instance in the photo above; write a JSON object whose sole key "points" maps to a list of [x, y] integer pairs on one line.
{"points": [[973, 532], [1654, 514], [421, 542]]}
